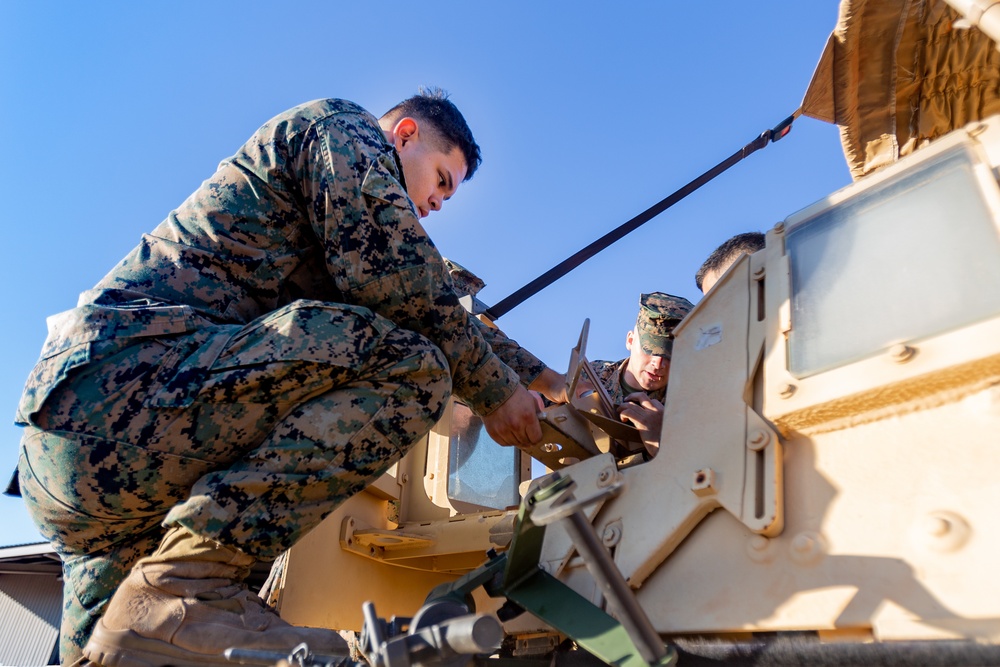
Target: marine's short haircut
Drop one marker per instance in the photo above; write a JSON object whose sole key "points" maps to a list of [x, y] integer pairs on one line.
{"points": [[746, 243], [431, 105]]}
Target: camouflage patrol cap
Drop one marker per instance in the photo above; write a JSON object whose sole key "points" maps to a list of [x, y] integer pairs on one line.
{"points": [[466, 282], [467, 285], [659, 313]]}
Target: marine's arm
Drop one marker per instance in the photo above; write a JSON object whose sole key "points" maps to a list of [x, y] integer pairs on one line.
{"points": [[534, 374], [379, 256]]}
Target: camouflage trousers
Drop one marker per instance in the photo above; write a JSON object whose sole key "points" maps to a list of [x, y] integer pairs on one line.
{"points": [[248, 435]]}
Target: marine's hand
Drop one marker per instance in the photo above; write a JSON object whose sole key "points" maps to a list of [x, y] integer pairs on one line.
{"points": [[515, 422], [552, 385], [646, 414]]}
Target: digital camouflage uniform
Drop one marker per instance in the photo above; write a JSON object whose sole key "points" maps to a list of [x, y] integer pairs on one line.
{"points": [[467, 284], [659, 313], [267, 351]]}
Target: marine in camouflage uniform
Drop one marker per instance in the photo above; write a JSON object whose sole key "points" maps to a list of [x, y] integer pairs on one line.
{"points": [[611, 376], [271, 348], [658, 314]]}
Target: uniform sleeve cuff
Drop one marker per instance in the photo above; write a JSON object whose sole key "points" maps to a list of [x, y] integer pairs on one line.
{"points": [[488, 386]]}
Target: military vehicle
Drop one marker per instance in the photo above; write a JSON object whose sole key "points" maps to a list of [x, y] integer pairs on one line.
{"points": [[827, 478]]}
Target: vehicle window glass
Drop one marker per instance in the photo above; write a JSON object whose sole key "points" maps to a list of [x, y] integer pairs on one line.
{"points": [[480, 471], [924, 241]]}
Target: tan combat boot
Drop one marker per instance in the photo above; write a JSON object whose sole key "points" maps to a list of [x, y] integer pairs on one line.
{"points": [[185, 605]]}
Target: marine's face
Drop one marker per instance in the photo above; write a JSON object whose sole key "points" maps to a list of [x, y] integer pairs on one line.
{"points": [[648, 371], [432, 176]]}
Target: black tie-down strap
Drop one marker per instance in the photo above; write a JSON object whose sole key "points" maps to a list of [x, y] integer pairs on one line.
{"points": [[507, 304]]}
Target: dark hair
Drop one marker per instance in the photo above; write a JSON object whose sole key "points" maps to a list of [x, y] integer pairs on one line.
{"points": [[431, 105], [746, 243]]}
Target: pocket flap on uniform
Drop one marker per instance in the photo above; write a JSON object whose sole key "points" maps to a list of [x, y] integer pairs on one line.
{"points": [[46, 376], [185, 368]]}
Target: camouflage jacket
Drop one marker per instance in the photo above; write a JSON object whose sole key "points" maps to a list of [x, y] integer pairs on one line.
{"points": [[525, 364], [314, 207], [467, 284], [610, 374]]}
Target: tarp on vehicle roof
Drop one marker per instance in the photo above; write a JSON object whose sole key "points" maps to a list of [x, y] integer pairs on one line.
{"points": [[897, 74]]}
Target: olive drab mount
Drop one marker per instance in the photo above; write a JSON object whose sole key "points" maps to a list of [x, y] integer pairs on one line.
{"points": [[825, 487]]}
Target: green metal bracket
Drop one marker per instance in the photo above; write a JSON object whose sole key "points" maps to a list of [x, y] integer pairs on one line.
{"points": [[517, 576]]}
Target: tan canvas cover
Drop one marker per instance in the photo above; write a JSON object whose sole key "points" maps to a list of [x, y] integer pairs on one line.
{"points": [[897, 74]]}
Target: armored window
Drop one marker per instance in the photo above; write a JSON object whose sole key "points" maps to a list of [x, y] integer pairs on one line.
{"points": [[480, 471], [914, 256]]}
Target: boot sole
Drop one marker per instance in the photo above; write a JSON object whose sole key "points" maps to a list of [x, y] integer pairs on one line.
{"points": [[125, 648]]}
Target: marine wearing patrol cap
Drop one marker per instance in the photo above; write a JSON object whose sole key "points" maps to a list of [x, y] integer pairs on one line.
{"points": [[659, 313], [466, 282], [467, 285]]}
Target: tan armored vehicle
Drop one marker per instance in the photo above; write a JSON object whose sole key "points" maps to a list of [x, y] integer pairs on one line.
{"points": [[827, 485]]}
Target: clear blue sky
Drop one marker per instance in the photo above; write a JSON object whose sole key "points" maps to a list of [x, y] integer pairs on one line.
{"points": [[587, 112]]}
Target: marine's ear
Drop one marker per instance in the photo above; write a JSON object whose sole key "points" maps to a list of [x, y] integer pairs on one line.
{"points": [[404, 131]]}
